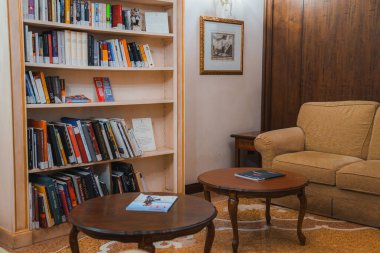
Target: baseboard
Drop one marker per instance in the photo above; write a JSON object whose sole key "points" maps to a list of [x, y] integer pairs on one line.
{"points": [[16, 240], [193, 188]]}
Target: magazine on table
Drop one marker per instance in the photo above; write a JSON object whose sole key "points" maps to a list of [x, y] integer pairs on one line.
{"points": [[258, 175], [152, 203]]}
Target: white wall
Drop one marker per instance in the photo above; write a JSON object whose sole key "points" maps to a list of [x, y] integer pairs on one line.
{"points": [[218, 105], [6, 130]]}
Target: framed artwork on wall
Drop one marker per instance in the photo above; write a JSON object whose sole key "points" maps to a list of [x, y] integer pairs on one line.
{"points": [[221, 46]]}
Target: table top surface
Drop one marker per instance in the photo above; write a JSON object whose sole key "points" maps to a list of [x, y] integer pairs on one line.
{"points": [[247, 135], [225, 179], [108, 215]]}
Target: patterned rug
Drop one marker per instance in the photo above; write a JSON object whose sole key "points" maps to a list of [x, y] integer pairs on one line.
{"points": [[322, 235]]}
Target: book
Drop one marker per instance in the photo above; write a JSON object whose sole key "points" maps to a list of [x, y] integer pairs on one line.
{"points": [[99, 86], [143, 130], [258, 175], [157, 22], [152, 203]]}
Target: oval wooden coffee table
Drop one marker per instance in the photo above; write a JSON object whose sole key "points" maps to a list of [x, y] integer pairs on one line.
{"points": [[107, 218], [224, 182]]}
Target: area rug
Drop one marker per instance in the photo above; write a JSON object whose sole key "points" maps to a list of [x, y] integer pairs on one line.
{"points": [[322, 235]]}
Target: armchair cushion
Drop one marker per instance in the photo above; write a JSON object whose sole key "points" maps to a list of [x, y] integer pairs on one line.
{"points": [[318, 167], [363, 176], [341, 128]]}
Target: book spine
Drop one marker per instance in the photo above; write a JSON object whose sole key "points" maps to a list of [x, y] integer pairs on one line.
{"points": [[86, 148], [94, 142], [74, 144], [108, 16], [55, 47]]}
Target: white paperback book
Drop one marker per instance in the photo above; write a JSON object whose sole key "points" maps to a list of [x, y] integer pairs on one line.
{"points": [[143, 130]]}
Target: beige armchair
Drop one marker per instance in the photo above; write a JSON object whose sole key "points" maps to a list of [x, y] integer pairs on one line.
{"points": [[336, 146]]}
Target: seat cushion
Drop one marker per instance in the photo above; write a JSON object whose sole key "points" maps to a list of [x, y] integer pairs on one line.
{"points": [[363, 176], [341, 128], [318, 167]]}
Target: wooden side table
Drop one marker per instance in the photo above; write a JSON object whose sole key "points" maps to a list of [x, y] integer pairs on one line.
{"points": [[244, 141]]}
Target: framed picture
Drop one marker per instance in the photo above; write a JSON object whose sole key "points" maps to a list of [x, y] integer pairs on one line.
{"points": [[221, 46]]}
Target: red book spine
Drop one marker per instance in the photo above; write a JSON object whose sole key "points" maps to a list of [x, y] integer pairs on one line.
{"points": [[50, 43], [117, 19], [65, 207], [75, 144], [80, 145], [93, 139], [98, 81], [71, 191], [81, 190]]}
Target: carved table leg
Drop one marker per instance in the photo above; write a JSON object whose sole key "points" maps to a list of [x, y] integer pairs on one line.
{"points": [[147, 245], [207, 195], [303, 203], [233, 202], [267, 210], [73, 238], [209, 237]]}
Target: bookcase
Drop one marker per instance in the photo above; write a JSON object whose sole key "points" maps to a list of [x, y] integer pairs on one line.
{"points": [[154, 93]]}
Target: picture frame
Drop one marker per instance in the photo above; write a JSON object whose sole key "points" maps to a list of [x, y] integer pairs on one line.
{"points": [[221, 46]]}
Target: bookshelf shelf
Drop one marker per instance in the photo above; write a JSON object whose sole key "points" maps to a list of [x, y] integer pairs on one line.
{"points": [[96, 30], [96, 68], [98, 104], [158, 152]]}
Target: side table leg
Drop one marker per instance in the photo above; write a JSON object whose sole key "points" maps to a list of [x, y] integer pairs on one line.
{"points": [[209, 237], [267, 210], [147, 245], [303, 204], [233, 202], [207, 195], [73, 238]]}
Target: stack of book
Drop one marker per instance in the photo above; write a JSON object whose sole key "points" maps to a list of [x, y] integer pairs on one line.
{"points": [[44, 90], [82, 12], [125, 179], [81, 49], [52, 197], [75, 141]]}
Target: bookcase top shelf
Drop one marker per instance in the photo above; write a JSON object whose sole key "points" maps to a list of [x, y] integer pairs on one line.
{"points": [[97, 68], [99, 104], [97, 30], [158, 152]]}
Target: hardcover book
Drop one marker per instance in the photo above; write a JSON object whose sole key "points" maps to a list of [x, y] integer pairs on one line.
{"points": [[152, 203], [258, 175]]}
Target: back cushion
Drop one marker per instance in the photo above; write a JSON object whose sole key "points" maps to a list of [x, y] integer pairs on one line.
{"points": [[374, 145], [337, 127]]}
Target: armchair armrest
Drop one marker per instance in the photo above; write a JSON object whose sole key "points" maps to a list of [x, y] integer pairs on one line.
{"points": [[277, 142]]}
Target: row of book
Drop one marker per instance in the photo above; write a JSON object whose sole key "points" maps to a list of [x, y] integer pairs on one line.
{"points": [[41, 89], [82, 49], [83, 12], [75, 141], [53, 196]]}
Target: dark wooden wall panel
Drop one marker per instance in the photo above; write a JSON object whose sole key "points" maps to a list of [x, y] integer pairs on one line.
{"points": [[321, 50], [286, 66]]}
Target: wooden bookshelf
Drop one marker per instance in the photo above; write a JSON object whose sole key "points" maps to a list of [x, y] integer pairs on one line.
{"points": [[139, 93], [97, 30], [93, 68], [98, 104]]}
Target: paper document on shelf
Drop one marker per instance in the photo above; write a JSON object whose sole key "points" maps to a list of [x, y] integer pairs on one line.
{"points": [[144, 133], [157, 22]]}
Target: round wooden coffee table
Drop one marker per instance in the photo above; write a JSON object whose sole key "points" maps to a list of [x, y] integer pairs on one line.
{"points": [[107, 218], [224, 182]]}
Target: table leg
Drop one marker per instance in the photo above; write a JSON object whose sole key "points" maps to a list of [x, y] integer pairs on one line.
{"points": [[207, 195], [147, 245], [233, 202], [73, 238], [237, 153], [267, 210], [303, 203], [209, 237]]}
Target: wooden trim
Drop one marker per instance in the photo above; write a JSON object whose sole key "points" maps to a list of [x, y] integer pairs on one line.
{"points": [[193, 188], [201, 42], [18, 240], [267, 65]]}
